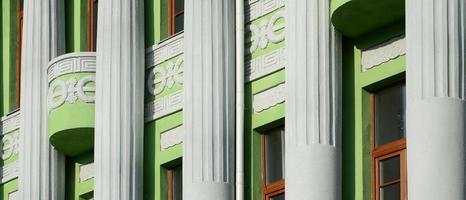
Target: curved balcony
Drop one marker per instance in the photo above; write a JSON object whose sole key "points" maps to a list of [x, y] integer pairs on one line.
{"points": [[71, 96], [357, 17]]}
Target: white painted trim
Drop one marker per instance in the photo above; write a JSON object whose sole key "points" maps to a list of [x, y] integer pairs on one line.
{"points": [[86, 172], [382, 53], [171, 138], [269, 98], [163, 106], [264, 65], [162, 52], [258, 8], [9, 172], [71, 63]]}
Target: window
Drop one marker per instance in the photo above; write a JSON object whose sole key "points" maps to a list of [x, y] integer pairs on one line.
{"points": [[388, 131], [273, 164], [175, 183], [20, 43], [176, 16], [92, 23]]}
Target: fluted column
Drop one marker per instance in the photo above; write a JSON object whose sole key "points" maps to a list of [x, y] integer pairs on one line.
{"points": [[209, 119], [313, 114], [435, 76], [119, 101], [42, 168]]}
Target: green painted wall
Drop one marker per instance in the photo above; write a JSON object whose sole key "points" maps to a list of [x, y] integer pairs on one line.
{"points": [[76, 26], [75, 189]]}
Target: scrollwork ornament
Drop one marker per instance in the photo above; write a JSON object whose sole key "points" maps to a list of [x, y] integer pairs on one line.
{"points": [[82, 89], [267, 30]]}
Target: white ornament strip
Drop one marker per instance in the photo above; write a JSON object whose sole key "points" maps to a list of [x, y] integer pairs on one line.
{"points": [[163, 106], [269, 98], [267, 31], [9, 172], [171, 138], [382, 53], [71, 90], [10, 122], [71, 63], [161, 77], [86, 172], [259, 8], [13, 195], [164, 51], [9, 145], [264, 65]]}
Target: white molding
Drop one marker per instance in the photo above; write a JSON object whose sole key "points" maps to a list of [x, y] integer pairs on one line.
{"points": [[9, 172], [266, 31], [161, 77], [13, 195], [269, 98], [70, 90], [165, 50], [11, 122], [171, 137], [382, 53], [258, 8], [264, 65], [71, 63], [86, 172], [163, 106]]}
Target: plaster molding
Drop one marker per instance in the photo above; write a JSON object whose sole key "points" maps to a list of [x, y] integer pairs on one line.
{"points": [[9, 145], [171, 138], [71, 63], [266, 31], [86, 172], [11, 122], [264, 65], [269, 98], [258, 8], [162, 52], [13, 195], [71, 90], [382, 53], [9, 172], [165, 77], [163, 106]]}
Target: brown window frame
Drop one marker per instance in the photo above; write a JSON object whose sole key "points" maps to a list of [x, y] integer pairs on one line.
{"points": [[273, 189], [385, 151], [173, 16], [20, 4], [91, 23], [171, 177]]}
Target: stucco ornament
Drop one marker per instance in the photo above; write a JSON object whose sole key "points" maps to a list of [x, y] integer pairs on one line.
{"points": [[160, 77], [71, 90], [10, 145], [267, 31]]}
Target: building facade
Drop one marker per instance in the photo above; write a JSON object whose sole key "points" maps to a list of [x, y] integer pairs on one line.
{"points": [[189, 99]]}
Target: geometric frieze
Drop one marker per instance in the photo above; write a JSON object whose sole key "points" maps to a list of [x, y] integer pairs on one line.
{"points": [[259, 8], [162, 52], [265, 64], [86, 172], [71, 63], [9, 172], [163, 106]]}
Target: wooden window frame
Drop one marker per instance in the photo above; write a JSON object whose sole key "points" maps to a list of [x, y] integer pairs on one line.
{"points": [[90, 24], [273, 189], [171, 176], [385, 151], [173, 15], [20, 4]]}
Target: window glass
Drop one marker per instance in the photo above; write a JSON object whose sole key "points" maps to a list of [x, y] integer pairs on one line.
{"points": [[274, 155], [278, 197], [390, 112], [179, 6], [179, 23], [390, 192], [389, 169], [178, 183], [95, 10]]}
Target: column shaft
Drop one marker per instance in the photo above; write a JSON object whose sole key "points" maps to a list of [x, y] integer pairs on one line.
{"points": [[435, 79], [312, 102], [42, 168], [208, 156], [119, 103]]}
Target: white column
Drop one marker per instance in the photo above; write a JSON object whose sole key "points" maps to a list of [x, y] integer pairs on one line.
{"points": [[435, 78], [209, 100], [119, 104], [313, 79], [42, 168]]}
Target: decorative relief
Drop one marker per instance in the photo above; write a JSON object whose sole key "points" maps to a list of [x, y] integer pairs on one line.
{"points": [[383, 53], [9, 172], [259, 8], [10, 122], [71, 65], [13, 195], [164, 51], [266, 64], [161, 77], [163, 106], [86, 172], [171, 138], [61, 91], [10, 144], [269, 98], [267, 31]]}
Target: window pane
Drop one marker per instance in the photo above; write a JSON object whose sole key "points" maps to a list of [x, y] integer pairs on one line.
{"points": [[390, 114], [274, 155], [94, 24], [391, 192], [389, 169], [179, 23], [179, 6], [178, 183], [278, 197]]}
